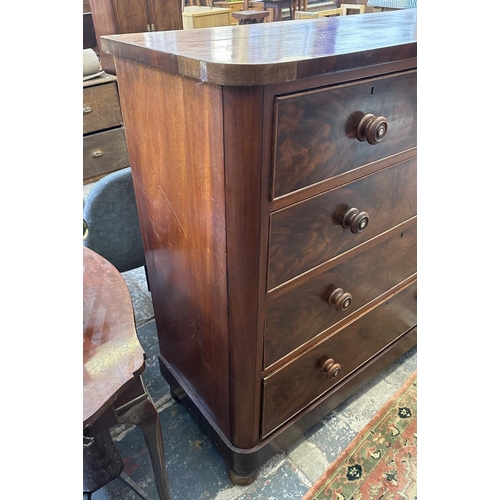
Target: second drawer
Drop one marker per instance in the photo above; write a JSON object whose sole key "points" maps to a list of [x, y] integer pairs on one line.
{"points": [[310, 233]]}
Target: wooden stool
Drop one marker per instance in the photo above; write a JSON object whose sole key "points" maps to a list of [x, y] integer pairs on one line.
{"points": [[275, 7], [250, 16]]}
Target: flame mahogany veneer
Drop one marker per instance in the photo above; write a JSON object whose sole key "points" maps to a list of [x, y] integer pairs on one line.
{"points": [[274, 167]]}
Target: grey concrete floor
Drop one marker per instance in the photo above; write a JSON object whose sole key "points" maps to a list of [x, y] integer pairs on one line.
{"points": [[196, 470]]}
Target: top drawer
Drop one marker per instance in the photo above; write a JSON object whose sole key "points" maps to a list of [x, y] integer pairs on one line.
{"points": [[101, 107], [315, 133]]}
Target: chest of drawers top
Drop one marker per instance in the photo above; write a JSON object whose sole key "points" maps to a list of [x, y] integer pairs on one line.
{"points": [[274, 52]]}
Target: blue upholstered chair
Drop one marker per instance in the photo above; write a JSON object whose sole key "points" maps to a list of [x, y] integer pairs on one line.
{"points": [[113, 222]]}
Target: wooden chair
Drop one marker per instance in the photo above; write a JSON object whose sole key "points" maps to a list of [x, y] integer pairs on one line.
{"points": [[330, 13], [322, 13], [350, 8], [299, 14], [301, 5]]}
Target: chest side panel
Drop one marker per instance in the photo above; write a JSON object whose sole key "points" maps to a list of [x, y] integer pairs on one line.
{"points": [[179, 185]]}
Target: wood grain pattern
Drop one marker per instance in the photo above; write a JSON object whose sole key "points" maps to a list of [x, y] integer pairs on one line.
{"points": [[309, 233], [101, 107], [179, 182], [112, 354], [132, 16], [316, 131], [274, 52], [303, 312], [165, 15], [243, 109], [293, 387]]}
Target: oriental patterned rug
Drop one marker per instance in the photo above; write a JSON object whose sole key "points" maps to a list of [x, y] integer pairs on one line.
{"points": [[381, 462]]}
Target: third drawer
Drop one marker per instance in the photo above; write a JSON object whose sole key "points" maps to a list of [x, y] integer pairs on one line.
{"points": [[300, 313]]}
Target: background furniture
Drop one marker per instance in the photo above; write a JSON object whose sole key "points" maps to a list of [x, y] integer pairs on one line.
{"points": [[111, 215], [113, 360], [205, 17], [387, 5], [282, 269], [104, 146], [232, 6], [349, 9], [250, 16], [300, 14], [199, 3], [89, 39], [132, 16]]}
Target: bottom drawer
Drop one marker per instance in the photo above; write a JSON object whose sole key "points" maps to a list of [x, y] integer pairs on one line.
{"points": [[291, 388], [104, 152]]}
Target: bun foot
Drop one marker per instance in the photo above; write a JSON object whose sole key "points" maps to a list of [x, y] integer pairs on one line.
{"points": [[242, 479], [174, 396]]}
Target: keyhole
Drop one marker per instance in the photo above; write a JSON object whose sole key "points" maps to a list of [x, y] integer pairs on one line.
{"points": [[372, 90]]}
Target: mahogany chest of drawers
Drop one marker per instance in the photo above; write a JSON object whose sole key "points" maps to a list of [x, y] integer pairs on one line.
{"points": [[275, 173]]}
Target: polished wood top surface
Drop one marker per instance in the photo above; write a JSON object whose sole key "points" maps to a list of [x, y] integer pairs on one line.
{"points": [[112, 354], [267, 53]]}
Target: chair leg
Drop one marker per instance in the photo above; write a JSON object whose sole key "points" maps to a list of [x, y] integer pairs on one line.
{"points": [[142, 412]]}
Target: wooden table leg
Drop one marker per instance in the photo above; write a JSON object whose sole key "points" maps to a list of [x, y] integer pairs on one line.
{"points": [[142, 412]]}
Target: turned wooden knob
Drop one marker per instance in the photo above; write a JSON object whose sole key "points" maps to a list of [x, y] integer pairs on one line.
{"points": [[340, 299], [372, 128], [330, 368], [355, 220]]}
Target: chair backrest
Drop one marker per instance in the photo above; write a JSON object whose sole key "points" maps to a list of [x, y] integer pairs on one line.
{"points": [[110, 211]]}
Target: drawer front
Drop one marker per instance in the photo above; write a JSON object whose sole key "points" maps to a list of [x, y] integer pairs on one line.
{"points": [[101, 108], [308, 309], [309, 233], [290, 389], [104, 152], [315, 133]]}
